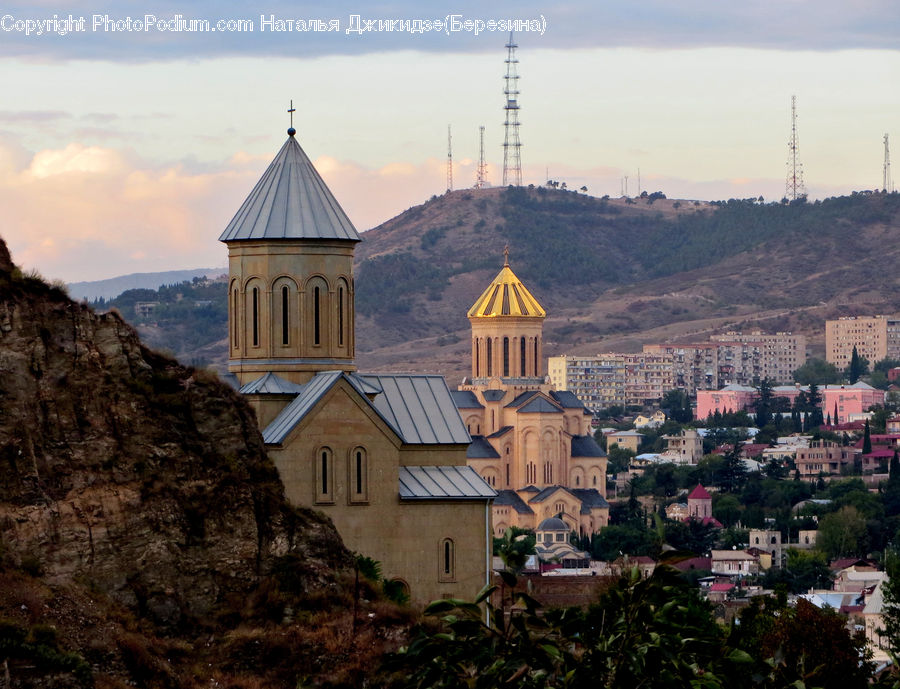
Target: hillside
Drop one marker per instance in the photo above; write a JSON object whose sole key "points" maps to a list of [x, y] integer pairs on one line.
{"points": [[144, 535], [612, 273], [616, 273]]}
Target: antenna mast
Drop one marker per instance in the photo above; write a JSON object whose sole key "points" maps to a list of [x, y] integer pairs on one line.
{"points": [[481, 172], [449, 162], [794, 188], [886, 183], [512, 160]]}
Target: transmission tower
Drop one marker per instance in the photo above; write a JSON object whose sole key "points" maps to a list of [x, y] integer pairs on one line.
{"points": [[512, 159], [887, 185], [794, 188], [481, 172], [449, 162]]}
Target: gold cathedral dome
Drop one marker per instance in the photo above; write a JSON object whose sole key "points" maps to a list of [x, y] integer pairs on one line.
{"points": [[506, 296]]}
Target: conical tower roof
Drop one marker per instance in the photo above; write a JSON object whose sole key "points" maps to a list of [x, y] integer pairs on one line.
{"points": [[506, 296], [290, 201]]}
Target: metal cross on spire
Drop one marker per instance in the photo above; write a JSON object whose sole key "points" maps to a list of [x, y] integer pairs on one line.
{"points": [[506, 255], [292, 110]]}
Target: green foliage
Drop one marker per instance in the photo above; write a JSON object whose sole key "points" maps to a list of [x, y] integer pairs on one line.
{"points": [[843, 533], [858, 367], [817, 371], [632, 538], [619, 459], [514, 548], [804, 569], [38, 647], [677, 405]]}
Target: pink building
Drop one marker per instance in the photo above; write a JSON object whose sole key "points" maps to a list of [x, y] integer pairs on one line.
{"points": [[851, 400], [699, 503], [731, 398], [824, 457]]}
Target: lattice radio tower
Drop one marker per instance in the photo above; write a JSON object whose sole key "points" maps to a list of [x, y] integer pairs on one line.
{"points": [[449, 161], [886, 183], [481, 172], [794, 188], [512, 158]]}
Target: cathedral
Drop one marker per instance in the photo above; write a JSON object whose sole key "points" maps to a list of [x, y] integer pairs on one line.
{"points": [[383, 455], [530, 442]]}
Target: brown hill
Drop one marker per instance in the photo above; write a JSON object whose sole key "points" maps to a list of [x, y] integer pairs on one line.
{"points": [[614, 274], [144, 536]]}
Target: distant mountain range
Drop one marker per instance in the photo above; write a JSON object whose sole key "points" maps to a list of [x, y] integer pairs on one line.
{"points": [[113, 287], [613, 274]]}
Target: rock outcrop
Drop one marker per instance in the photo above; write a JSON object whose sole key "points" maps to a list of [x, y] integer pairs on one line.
{"points": [[142, 486]]}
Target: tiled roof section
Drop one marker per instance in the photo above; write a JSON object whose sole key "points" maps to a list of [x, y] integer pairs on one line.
{"points": [[522, 398], [420, 408], [290, 201], [442, 483], [293, 413], [493, 395], [271, 384], [567, 399], [465, 399], [699, 493], [510, 498], [586, 446], [480, 448], [590, 498], [506, 296], [501, 432], [541, 405]]}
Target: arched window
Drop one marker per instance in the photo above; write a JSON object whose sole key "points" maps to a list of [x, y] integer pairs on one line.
{"points": [[506, 357], [317, 317], [285, 311], [447, 560], [477, 357], [522, 356], [490, 363], [254, 315], [359, 475], [324, 471], [536, 367], [235, 329], [341, 316]]}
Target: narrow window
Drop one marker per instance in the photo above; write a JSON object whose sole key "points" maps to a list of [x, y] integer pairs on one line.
{"points": [[234, 319], [255, 317], [316, 329], [324, 475], [507, 475], [522, 356], [506, 357], [340, 316], [477, 358], [447, 556], [358, 475], [285, 297], [489, 362], [536, 367]]}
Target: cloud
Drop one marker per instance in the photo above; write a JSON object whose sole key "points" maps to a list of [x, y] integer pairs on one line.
{"points": [[785, 24]]}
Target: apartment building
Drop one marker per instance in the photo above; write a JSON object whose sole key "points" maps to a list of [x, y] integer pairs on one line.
{"points": [[745, 358], [598, 381], [825, 457], [875, 338]]}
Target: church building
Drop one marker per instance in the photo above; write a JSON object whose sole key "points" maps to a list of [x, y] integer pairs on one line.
{"points": [[384, 456], [530, 442]]}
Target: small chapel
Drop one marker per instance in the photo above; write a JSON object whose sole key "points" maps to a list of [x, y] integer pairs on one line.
{"points": [[530, 442], [382, 455]]}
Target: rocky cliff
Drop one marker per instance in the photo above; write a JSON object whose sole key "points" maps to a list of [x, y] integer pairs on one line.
{"points": [[145, 537]]}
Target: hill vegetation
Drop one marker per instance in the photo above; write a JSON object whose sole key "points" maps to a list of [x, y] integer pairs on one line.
{"points": [[612, 273]]}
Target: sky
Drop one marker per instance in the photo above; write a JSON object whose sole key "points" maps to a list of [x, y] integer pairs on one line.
{"points": [[128, 141]]}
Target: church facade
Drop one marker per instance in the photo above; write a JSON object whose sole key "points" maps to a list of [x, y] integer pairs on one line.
{"points": [[383, 455], [530, 442]]}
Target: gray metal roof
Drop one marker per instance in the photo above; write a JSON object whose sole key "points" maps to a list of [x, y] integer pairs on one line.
{"points": [[540, 405], [511, 498], [465, 399], [586, 446], [567, 399], [420, 408], [271, 384], [501, 432], [290, 201], [443, 483], [493, 395], [292, 414], [480, 448]]}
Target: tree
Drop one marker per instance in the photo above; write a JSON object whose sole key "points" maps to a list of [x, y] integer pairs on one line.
{"points": [[867, 440], [858, 367], [619, 459], [843, 533], [514, 548], [817, 371], [727, 509], [734, 473], [763, 403], [678, 406]]}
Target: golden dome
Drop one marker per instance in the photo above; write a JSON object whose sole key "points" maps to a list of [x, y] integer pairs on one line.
{"points": [[506, 296]]}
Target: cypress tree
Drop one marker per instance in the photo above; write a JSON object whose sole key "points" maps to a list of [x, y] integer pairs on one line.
{"points": [[867, 440], [894, 470]]}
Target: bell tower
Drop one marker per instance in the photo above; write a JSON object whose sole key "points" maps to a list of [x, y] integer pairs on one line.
{"points": [[507, 331], [290, 289]]}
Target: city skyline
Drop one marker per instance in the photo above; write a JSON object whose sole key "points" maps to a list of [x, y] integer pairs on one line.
{"points": [[129, 152]]}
